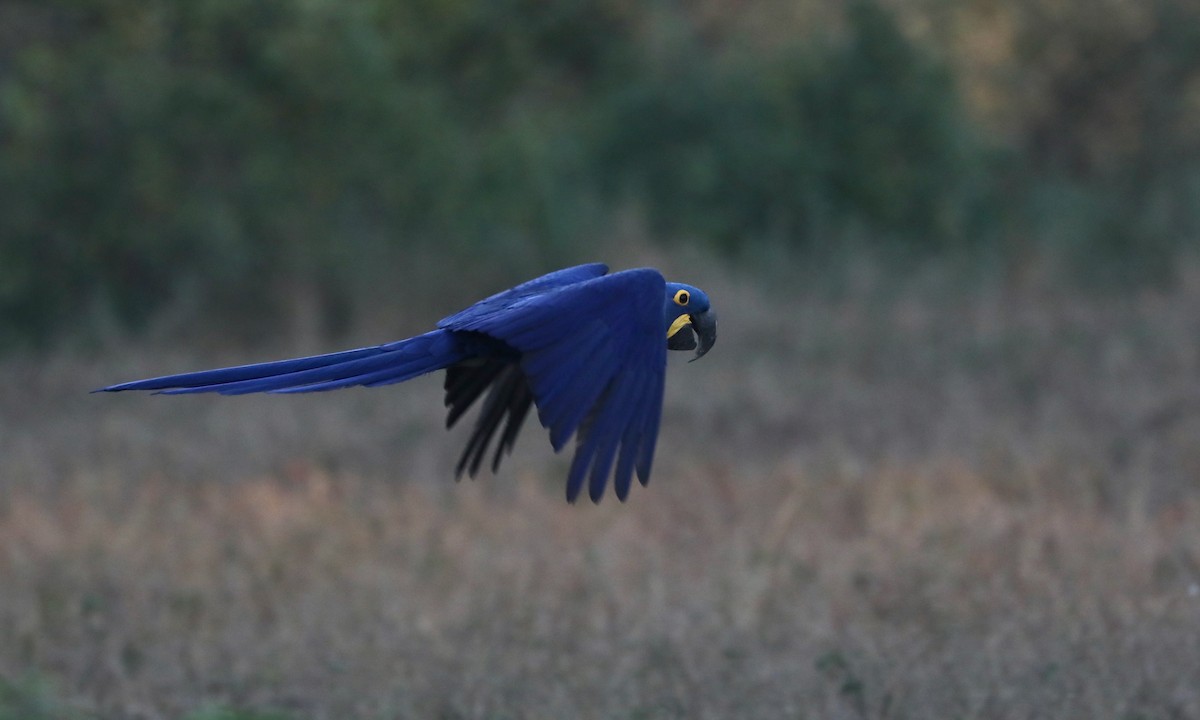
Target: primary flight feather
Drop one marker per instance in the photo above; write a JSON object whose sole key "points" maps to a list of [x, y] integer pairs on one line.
{"points": [[586, 348]]}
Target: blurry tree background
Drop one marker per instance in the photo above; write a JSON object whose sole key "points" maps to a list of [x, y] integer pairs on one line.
{"points": [[267, 161]]}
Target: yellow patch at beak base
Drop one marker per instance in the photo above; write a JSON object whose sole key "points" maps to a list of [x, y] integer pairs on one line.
{"points": [[678, 324]]}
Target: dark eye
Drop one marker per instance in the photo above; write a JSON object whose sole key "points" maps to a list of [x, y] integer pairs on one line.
{"points": [[682, 297]]}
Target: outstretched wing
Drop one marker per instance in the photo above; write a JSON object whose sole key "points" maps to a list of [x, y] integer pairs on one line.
{"points": [[593, 352]]}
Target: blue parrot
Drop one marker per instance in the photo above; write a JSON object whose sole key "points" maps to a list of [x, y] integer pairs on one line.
{"points": [[586, 347]]}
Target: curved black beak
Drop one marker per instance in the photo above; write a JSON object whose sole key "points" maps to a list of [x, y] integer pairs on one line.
{"points": [[705, 326]]}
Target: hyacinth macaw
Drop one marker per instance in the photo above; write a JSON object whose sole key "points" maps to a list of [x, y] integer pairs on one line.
{"points": [[587, 348]]}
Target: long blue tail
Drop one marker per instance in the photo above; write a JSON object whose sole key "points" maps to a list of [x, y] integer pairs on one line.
{"points": [[370, 366]]}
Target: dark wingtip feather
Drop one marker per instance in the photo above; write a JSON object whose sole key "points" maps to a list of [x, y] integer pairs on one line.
{"points": [[518, 409], [509, 397]]}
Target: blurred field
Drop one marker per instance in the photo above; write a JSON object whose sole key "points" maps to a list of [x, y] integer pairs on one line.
{"points": [[897, 499]]}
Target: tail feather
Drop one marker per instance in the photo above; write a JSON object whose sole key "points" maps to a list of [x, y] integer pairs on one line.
{"points": [[375, 365]]}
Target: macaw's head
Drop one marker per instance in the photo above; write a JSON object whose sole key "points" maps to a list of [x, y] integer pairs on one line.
{"points": [[691, 322]]}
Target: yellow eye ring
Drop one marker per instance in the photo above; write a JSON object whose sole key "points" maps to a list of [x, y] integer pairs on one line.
{"points": [[682, 297]]}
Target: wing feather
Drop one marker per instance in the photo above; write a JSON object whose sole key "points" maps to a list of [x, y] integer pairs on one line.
{"points": [[465, 382], [593, 353], [652, 416], [508, 397], [631, 440], [518, 408]]}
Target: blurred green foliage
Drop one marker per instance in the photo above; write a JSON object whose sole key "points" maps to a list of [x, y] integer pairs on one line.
{"points": [[225, 713], [252, 152], [34, 697], [31, 698], [1107, 103], [253, 159], [802, 143]]}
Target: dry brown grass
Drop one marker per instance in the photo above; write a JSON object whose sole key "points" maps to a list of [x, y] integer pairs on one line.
{"points": [[911, 502]]}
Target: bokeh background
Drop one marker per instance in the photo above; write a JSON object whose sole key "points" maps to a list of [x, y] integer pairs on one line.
{"points": [[943, 461]]}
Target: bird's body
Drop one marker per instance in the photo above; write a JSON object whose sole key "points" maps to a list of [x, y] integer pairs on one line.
{"points": [[586, 348]]}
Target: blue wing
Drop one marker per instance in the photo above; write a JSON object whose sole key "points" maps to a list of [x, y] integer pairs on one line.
{"points": [[593, 353]]}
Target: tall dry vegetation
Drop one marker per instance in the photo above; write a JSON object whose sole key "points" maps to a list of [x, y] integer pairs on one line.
{"points": [[901, 500]]}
